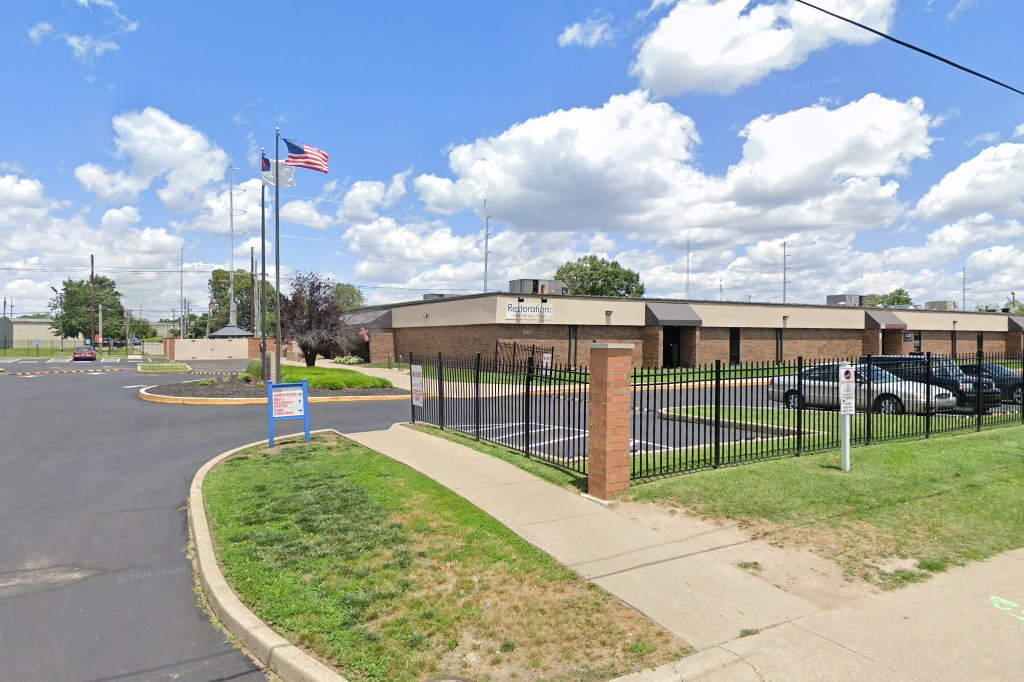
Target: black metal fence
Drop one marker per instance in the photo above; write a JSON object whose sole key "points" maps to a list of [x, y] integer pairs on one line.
{"points": [[716, 415], [522, 405], [54, 347], [513, 352]]}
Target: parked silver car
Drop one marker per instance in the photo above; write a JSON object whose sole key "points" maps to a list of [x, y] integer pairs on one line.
{"points": [[888, 394]]}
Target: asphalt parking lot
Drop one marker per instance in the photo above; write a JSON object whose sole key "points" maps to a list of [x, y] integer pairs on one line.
{"points": [[93, 531]]}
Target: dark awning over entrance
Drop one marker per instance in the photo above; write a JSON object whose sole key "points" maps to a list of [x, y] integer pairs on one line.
{"points": [[672, 315], [1017, 323], [883, 319], [377, 319]]}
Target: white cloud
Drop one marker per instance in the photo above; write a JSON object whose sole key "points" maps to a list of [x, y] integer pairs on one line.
{"points": [[305, 213], [721, 46], [366, 198], [983, 138], [157, 146], [41, 246], [40, 31], [120, 218], [589, 33], [12, 167], [991, 181], [88, 49], [628, 167], [1018, 131]]}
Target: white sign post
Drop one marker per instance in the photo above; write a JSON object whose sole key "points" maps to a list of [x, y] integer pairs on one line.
{"points": [[847, 407], [416, 373]]}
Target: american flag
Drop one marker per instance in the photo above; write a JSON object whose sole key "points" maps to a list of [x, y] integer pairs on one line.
{"points": [[266, 164], [305, 156]]}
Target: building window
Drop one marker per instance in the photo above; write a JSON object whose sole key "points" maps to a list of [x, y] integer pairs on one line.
{"points": [[917, 342], [952, 343], [573, 338], [734, 346], [981, 342], [778, 345]]}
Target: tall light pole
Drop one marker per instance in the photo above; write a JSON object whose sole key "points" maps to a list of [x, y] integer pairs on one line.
{"points": [[60, 311], [785, 269], [487, 241]]}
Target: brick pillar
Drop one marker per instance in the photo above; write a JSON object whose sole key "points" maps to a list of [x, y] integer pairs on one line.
{"points": [[609, 415]]}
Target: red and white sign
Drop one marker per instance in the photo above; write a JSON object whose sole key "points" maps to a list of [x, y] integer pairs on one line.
{"points": [[417, 384], [847, 389], [288, 402]]}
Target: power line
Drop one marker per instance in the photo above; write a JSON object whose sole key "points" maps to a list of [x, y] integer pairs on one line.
{"points": [[923, 51]]}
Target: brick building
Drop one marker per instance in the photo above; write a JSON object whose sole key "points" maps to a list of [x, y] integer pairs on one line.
{"points": [[670, 333]]}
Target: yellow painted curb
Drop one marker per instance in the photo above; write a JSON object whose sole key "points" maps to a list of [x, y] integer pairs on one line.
{"points": [[278, 654], [145, 395]]}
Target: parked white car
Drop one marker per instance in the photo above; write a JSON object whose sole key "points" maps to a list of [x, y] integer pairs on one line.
{"points": [[885, 393]]}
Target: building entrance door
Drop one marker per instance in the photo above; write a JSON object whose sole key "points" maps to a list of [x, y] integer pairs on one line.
{"points": [[670, 344]]}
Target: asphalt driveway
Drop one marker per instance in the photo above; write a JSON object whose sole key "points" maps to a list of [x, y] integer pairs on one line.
{"points": [[95, 583]]}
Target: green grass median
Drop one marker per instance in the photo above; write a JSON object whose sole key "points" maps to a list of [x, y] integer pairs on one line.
{"points": [[329, 378], [164, 368], [389, 576]]}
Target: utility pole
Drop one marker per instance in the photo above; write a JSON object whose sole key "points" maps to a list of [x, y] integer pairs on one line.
{"points": [[963, 294], [92, 282], [487, 242], [252, 289], [720, 289], [232, 311], [687, 297], [785, 269], [101, 325], [181, 293]]}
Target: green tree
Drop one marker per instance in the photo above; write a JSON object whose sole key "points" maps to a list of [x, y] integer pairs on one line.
{"points": [[311, 317], [894, 297], [73, 310], [349, 296], [593, 276], [219, 288]]}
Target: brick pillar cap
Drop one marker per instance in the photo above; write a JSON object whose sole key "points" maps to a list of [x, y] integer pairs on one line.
{"points": [[612, 346]]}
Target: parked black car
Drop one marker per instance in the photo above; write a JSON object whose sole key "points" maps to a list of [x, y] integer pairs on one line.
{"points": [[944, 373], [1009, 382]]}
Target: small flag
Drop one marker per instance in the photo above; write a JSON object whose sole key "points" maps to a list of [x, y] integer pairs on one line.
{"points": [[266, 163], [287, 174], [306, 156]]}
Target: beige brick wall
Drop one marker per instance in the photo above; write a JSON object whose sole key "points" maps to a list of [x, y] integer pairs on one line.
{"points": [[1014, 343], [472, 339], [652, 349]]}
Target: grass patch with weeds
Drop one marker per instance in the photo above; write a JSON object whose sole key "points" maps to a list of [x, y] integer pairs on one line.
{"points": [[163, 368], [930, 503], [330, 378], [390, 576]]}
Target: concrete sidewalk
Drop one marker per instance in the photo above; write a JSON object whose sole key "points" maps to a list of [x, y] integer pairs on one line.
{"points": [[687, 579]]}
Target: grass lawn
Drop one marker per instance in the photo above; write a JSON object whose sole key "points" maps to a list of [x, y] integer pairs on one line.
{"points": [[934, 503], [163, 368], [390, 576], [328, 378]]}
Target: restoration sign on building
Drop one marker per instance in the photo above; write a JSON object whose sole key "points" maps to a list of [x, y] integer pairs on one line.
{"points": [[530, 310]]}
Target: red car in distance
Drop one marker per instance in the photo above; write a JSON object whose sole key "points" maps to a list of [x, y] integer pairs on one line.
{"points": [[84, 353]]}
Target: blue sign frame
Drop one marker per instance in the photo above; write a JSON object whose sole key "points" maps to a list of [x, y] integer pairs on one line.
{"points": [[271, 419]]}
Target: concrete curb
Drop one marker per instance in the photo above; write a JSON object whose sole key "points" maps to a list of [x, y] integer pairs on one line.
{"points": [[274, 651], [146, 396]]}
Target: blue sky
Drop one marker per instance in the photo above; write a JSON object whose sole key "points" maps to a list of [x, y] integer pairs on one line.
{"points": [[625, 129]]}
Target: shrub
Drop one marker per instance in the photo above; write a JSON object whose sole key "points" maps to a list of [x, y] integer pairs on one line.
{"points": [[255, 370], [349, 360], [207, 382], [245, 376]]}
